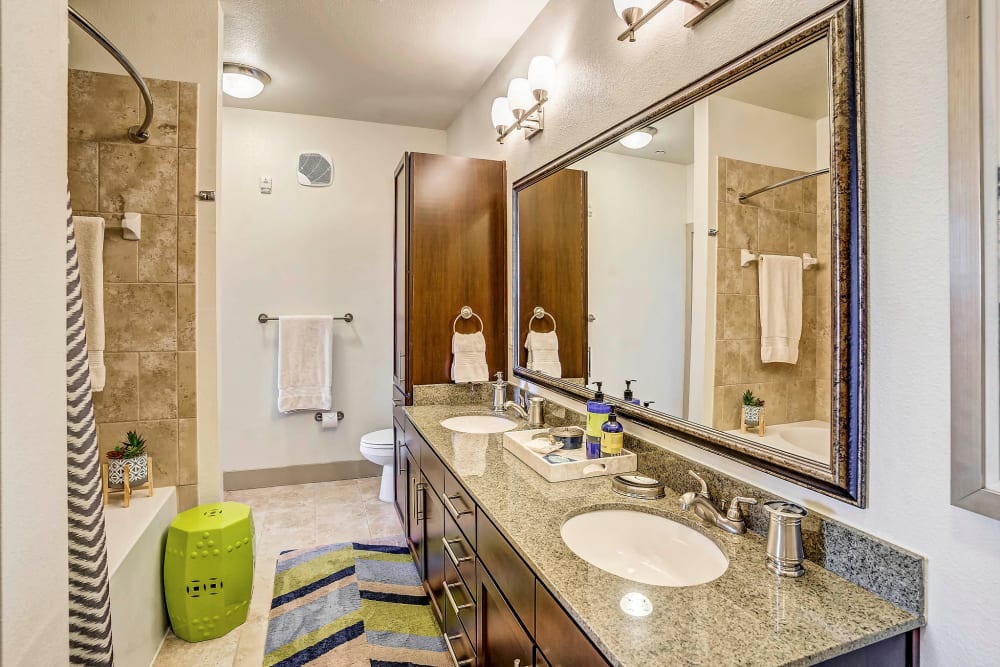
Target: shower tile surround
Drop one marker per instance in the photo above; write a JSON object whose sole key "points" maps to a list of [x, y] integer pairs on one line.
{"points": [[149, 285], [790, 220], [890, 572]]}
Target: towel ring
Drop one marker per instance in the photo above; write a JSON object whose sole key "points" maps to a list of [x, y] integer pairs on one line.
{"points": [[464, 314], [540, 314]]}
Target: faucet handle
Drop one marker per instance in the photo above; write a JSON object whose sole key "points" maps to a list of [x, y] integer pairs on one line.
{"points": [[735, 513], [499, 377], [704, 486]]}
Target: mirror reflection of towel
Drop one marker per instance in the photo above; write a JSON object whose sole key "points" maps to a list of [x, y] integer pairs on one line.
{"points": [[780, 308], [543, 353]]}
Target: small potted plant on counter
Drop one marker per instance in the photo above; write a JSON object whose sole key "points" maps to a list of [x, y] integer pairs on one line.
{"points": [[753, 413], [128, 465]]}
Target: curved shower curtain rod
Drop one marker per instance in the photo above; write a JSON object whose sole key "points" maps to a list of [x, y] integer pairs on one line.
{"points": [[137, 133]]}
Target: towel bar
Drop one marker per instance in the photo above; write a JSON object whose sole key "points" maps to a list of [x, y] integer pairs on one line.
{"points": [[746, 256], [263, 318]]}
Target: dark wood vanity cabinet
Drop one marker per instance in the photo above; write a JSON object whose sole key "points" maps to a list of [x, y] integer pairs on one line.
{"points": [[503, 640], [450, 252]]}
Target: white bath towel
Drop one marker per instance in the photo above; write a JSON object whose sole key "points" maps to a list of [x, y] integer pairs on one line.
{"points": [[469, 358], [305, 363], [89, 234], [543, 353], [780, 308]]}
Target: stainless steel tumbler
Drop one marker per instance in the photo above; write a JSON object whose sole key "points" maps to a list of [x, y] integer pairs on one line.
{"points": [[784, 538]]}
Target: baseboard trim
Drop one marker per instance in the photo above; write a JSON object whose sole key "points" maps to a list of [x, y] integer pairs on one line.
{"points": [[236, 480]]}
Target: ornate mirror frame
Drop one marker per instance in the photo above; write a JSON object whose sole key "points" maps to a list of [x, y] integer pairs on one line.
{"points": [[972, 206], [845, 477]]}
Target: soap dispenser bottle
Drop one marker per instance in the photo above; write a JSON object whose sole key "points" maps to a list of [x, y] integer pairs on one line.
{"points": [[612, 436], [629, 397], [597, 415]]}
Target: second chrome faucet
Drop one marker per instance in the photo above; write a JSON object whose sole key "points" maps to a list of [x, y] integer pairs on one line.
{"points": [[700, 502]]}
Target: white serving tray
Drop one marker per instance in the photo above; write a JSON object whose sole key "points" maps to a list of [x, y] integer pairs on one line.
{"points": [[579, 468]]}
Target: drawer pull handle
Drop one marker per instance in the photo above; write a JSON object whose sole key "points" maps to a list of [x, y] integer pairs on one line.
{"points": [[451, 554], [457, 608], [451, 508], [418, 495], [454, 658]]}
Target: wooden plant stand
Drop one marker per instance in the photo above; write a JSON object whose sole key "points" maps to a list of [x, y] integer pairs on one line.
{"points": [[127, 487], [760, 428]]}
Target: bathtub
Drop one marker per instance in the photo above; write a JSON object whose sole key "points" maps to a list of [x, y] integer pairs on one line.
{"points": [[808, 439]]}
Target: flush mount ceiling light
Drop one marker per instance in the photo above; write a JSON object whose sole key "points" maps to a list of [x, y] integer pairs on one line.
{"points": [[636, 13], [638, 139], [522, 108], [243, 81]]}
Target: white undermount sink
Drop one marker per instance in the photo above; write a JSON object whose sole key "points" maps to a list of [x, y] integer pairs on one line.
{"points": [[478, 424], [644, 547]]}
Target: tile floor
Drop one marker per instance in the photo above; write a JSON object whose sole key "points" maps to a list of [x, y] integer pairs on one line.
{"points": [[286, 517]]}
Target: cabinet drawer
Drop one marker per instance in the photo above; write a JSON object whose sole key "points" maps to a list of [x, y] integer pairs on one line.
{"points": [[558, 636], [458, 550], [512, 575], [462, 652], [461, 507], [460, 602], [413, 440], [398, 401], [432, 468]]}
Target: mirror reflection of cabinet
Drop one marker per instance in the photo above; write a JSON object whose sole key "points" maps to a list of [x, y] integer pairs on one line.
{"points": [[723, 241]]}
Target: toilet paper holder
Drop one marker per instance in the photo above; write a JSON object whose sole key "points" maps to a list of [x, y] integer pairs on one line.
{"points": [[319, 416]]}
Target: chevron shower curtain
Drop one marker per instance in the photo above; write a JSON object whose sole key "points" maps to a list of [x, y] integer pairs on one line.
{"points": [[89, 594]]}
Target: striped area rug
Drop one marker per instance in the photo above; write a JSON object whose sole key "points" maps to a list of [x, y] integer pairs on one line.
{"points": [[356, 603]]}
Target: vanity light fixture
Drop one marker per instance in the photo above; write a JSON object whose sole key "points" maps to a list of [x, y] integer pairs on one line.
{"points": [[522, 108], [636, 13], [638, 139], [243, 81]]}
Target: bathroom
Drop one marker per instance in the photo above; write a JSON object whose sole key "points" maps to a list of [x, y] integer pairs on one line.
{"points": [[879, 428]]}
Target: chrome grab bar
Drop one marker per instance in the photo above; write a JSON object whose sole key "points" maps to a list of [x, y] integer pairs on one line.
{"points": [[451, 508], [451, 554]]}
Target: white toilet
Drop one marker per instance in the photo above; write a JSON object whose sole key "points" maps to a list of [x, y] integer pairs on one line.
{"points": [[377, 448]]}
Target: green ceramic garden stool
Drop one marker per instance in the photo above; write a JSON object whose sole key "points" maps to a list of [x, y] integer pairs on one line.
{"points": [[208, 570]]}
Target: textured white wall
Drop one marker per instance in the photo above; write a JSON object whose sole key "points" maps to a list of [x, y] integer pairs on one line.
{"points": [[603, 81], [636, 275], [33, 569], [304, 251], [182, 41]]}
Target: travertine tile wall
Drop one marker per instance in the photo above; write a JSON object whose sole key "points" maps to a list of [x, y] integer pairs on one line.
{"points": [[787, 221], [149, 285]]}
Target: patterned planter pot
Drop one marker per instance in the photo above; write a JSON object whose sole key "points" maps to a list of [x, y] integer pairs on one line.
{"points": [[752, 415], [138, 471]]}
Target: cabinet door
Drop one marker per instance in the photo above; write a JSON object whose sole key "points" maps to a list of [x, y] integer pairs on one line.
{"points": [[400, 292], [401, 495], [502, 641], [434, 549], [415, 513], [563, 643]]}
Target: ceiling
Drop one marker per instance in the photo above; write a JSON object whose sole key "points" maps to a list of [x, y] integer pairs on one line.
{"points": [[385, 61], [796, 85]]}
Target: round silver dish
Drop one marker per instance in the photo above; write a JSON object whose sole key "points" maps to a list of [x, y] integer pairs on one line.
{"points": [[637, 486]]}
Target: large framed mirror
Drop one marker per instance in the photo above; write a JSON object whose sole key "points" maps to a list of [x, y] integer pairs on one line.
{"points": [[709, 252]]}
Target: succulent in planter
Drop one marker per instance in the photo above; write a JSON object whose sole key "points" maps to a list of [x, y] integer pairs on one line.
{"points": [[750, 400], [131, 452], [753, 410]]}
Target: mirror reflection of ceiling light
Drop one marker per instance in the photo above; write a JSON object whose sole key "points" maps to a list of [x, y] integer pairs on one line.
{"points": [[638, 139], [522, 109], [243, 81], [636, 13]]}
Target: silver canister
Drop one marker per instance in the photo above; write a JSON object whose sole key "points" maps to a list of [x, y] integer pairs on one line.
{"points": [[784, 538], [536, 412]]}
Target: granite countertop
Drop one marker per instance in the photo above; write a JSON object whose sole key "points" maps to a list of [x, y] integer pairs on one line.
{"points": [[748, 616]]}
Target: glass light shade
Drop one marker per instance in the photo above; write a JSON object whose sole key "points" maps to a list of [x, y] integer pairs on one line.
{"points": [[636, 140], [644, 5], [542, 73], [243, 81], [501, 113], [519, 95]]}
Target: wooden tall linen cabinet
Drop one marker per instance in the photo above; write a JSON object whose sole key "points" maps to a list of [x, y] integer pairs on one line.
{"points": [[450, 252]]}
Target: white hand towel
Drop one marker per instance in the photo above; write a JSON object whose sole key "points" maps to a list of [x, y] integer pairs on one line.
{"points": [[89, 233], [305, 363], [780, 308], [469, 358], [543, 353]]}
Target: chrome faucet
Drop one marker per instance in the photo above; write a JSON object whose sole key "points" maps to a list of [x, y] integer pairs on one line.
{"points": [[700, 502]]}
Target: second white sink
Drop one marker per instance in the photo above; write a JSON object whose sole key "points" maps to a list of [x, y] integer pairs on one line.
{"points": [[478, 424], [644, 547]]}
